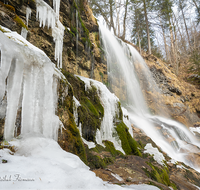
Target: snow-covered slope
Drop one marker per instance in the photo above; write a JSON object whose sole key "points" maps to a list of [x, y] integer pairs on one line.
{"points": [[40, 163]]}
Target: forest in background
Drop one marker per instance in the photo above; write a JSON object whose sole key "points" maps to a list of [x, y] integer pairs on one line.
{"points": [[168, 29]]}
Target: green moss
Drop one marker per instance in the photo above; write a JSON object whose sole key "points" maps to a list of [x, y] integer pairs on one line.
{"points": [[87, 103], [70, 139], [86, 31], [70, 32], [91, 112], [74, 30], [83, 40], [9, 7], [120, 114], [129, 145], [110, 148], [95, 161], [20, 22], [98, 148], [89, 123], [160, 175]]}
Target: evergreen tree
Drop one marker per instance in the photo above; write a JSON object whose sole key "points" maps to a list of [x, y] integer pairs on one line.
{"points": [[146, 7]]}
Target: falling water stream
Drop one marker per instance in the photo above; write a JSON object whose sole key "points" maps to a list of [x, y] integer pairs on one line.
{"points": [[123, 62]]}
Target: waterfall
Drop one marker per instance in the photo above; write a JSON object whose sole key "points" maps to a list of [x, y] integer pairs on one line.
{"points": [[125, 68]]}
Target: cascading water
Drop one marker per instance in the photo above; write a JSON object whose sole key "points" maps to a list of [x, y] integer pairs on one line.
{"points": [[124, 63]]}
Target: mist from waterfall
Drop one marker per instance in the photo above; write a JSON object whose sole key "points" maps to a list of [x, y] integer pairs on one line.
{"points": [[126, 71]]}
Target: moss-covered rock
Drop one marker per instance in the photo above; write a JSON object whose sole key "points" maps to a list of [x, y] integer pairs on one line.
{"points": [[160, 175], [129, 145], [69, 137], [100, 157], [110, 148], [91, 112]]}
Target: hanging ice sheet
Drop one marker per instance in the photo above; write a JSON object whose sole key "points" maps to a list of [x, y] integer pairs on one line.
{"points": [[29, 80]]}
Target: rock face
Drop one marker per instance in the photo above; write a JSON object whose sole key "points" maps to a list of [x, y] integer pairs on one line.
{"points": [[182, 99], [81, 52]]}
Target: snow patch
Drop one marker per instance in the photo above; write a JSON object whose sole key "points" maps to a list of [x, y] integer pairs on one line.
{"points": [[117, 177], [158, 156]]}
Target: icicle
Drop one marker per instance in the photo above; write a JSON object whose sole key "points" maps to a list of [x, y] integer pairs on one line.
{"points": [[47, 16], [6, 59], [58, 33], [56, 6], [24, 32], [75, 107], [14, 83], [28, 14]]}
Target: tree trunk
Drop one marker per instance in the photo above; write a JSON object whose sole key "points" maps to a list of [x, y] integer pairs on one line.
{"points": [[176, 50], [180, 2], [197, 7], [147, 27], [124, 21], [111, 16], [139, 41], [182, 39], [166, 49], [172, 41], [117, 19]]}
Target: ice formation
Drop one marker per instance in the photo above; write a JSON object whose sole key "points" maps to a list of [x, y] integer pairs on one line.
{"points": [[45, 14], [28, 14], [58, 33], [24, 32], [50, 17], [110, 104], [75, 107], [158, 156], [56, 6], [29, 81]]}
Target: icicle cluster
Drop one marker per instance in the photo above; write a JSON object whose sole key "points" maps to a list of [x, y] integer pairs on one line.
{"points": [[29, 81], [50, 17]]}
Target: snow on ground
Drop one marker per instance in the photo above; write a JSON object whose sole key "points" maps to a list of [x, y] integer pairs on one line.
{"points": [[40, 163], [158, 156]]}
